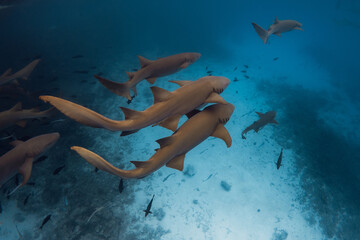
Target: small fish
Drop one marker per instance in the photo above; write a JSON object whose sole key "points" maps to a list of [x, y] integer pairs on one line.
{"points": [[243, 71], [0, 208], [278, 163], [78, 56], [276, 58], [246, 76], [235, 79], [121, 186], [45, 221], [147, 211], [30, 183], [73, 96], [100, 73], [246, 66], [209, 71], [96, 169], [81, 71], [40, 159], [166, 178], [83, 81], [135, 70], [235, 69], [93, 67], [206, 67], [58, 170], [26, 199]]}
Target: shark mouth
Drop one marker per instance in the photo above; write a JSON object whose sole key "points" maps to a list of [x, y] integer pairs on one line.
{"points": [[218, 90]]}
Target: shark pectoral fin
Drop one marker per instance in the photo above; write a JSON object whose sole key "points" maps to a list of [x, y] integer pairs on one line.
{"points": [[299, 28], [215, 98], [170, 123], [185, 65], [177, 162], [139, 164], [125, 133], [25, 170], [277, 34], [160, 94], [274, 121], [260, 114], [17, 107], [144, 62], [182, 83], [21, 123], [130, 114], [222, 133], [151, 80], [130, 75], [163, 142], [16, 143], [192, 113]]}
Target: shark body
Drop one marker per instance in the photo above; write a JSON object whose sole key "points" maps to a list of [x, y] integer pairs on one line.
{"points": [[21, 157], [150, 70], [265, 118], [278, 27], [167, 109], [209, 122], [24, 73], [19, 116]]}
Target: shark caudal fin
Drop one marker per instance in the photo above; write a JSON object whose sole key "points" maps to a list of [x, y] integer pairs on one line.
{"points": [[120, 89], [263, 34], [101, 163]]}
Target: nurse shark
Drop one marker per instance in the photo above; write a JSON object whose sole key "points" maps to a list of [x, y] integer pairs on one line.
{"points": [[167, 109], [24, 73], [150, 70], [278, 27], [200, 126]]}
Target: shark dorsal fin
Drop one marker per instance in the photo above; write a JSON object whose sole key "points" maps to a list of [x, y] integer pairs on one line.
{"points": [[17, 107], [192, 113], [177, 162], [144, 62], [215, 98], [163, 142], [130, 114], [260, 114], [130, 75], [276, 20], [274, 121], [139, 164], [182, 82], [25, 170], [160, 94], [222, 133], [16, 143], [170, 123]]}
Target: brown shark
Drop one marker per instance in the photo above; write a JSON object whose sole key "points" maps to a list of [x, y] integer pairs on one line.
{"points": [[167, 109], [21, 157], [265, 118], [150, 70], [19, 116], [22, 74], [278, 27], [209, 122]]}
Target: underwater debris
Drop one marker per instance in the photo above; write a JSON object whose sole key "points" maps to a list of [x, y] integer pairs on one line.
{"points": [[56, 171], [166, 178], [209, 177], [27, 198], [46, 219], [278, 163], [96, 210], [265, 118], [278, 27], [148, 208], [121, 186], [226, 186]]}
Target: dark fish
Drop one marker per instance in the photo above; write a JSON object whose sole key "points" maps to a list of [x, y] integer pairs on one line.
{"points": [[276, 58], [210, 74], [94, 82], [243, 71], [78, 56], [246, 66], [100, 73], [235, 79], [58, 170], [40, 159], [135, 70], [45, 221], [16, 179], [206, 67], [147, 211], [30, 183], [81, 71], [246, 76], [209, 71], [96, 169], [83, 81], [235, 69], [166, 178], [278, 163], [0, 208], [54, 79], [121, 186], [73, 96], [26, 199], [93, 67]]}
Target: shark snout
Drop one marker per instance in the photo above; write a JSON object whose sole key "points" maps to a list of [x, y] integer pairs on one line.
{"points": [[193, 57]]}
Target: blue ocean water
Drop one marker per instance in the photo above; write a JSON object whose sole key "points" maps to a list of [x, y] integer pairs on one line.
{"points": [[310, 78]]}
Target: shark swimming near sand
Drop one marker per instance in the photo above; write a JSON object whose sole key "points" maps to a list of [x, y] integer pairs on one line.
{"points": [[167, 109], [200, 126], [150, 70], [265, 118], [24, 73], [278, 27], [20, 158], [19, 116]]}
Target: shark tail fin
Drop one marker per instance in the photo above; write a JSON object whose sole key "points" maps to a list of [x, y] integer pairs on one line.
{"points": [[101, 163], [121, 89], [263, 34]]}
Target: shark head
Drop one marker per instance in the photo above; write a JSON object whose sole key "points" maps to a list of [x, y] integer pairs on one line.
{"points": [[40, 144], [222, 111], [192, 57], [218, 83]]}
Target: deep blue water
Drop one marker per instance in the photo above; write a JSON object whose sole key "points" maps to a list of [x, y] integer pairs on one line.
{"points": [[310, 78]]}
